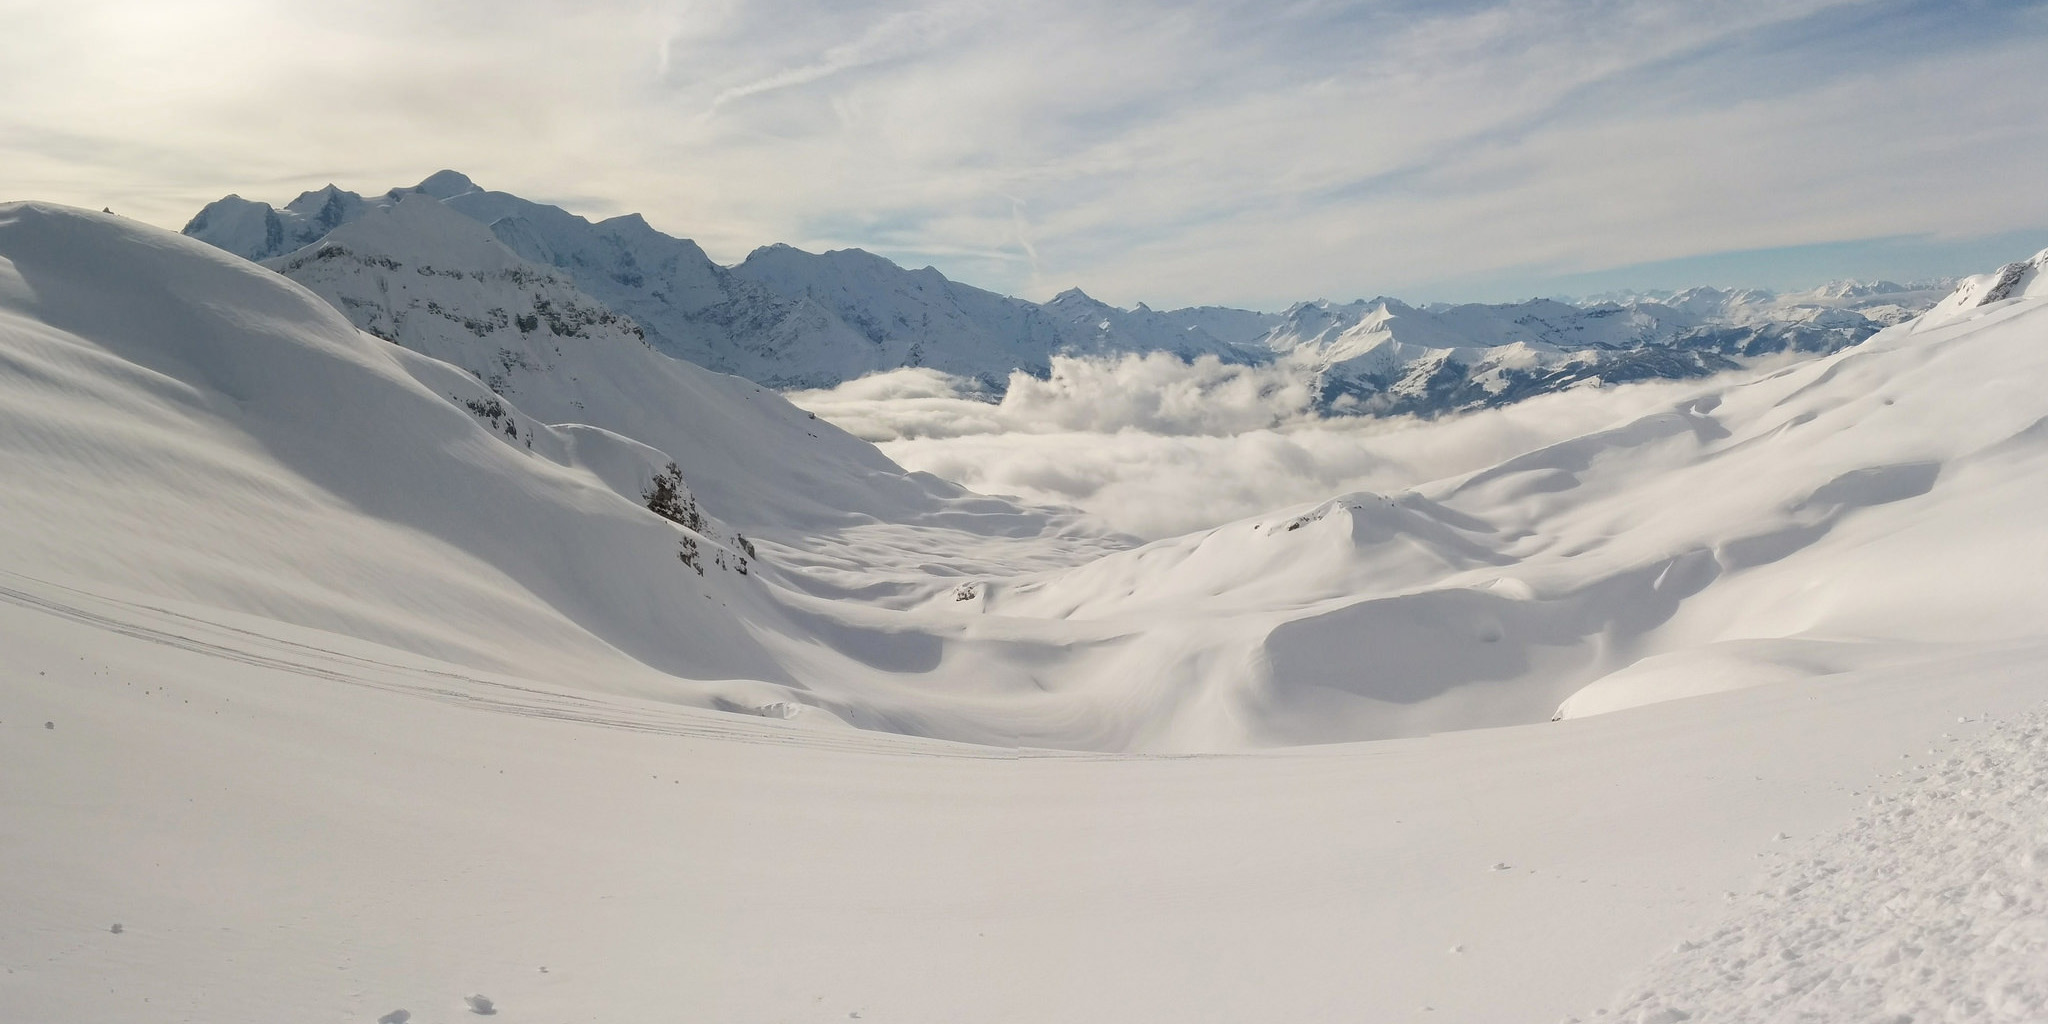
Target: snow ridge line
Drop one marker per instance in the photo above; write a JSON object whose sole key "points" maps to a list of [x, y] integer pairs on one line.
{"points": [[1931, 906]]}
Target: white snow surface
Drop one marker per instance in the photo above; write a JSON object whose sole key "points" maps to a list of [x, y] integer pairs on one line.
{"points": [[342, 689], [1931, 905], [1755, 528]]}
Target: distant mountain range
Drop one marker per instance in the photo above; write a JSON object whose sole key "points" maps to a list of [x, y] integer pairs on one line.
{"points": [[1385, 356], [784, 317], [787, 318]]}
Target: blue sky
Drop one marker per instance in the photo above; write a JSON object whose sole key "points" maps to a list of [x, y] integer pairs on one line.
{"points": [[1227, 152]]}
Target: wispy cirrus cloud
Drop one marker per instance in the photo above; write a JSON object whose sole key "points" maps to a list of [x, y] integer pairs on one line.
{"points": [[1213, 151], [898, 35]]}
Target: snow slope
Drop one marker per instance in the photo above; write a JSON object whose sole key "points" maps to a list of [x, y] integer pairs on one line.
{"points": [[1932, 905], [180, 423], [288, 823], [420, 275], [341, 695], [187, 425], [1852, 511], [1848, 512]]}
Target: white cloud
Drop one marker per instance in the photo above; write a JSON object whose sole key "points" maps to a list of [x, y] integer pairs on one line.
{"points": [[1157, 447], [1154, 393], [1218, 151], [895, 36]]}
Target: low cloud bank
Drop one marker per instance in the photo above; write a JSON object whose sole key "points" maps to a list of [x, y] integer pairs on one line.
{"points": [[1159, 447], [1155, 393]]}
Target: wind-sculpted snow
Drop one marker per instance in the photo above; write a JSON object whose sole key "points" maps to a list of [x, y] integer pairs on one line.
{"points": [[1932, 905], [342, 678], [192, 425], [1799, 510]]}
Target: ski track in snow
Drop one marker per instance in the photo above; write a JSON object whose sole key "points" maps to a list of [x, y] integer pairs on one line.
{"points": [[1933, 906]]}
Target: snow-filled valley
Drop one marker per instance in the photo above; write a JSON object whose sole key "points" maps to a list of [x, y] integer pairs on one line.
{"points": [[396, 621]]}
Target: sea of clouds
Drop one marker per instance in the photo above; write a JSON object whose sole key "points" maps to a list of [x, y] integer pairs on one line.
{"points": [[1158, 447]]}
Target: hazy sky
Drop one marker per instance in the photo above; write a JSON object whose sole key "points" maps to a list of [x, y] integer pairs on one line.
{"points": [[1243, 153]]}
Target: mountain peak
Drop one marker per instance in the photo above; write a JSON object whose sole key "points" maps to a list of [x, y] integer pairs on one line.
{"points": [[444, 184], [315, 199], [629, 221], [422, 231]]}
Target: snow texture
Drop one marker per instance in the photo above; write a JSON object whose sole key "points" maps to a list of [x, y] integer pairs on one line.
{"points": [[1931, 906], [378, 687], [1754, 528]]}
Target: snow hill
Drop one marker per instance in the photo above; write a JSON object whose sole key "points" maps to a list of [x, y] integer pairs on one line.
{"points": [[788, 318], [406, 502], [1650, 560], [1769, 529], [342, 682]]}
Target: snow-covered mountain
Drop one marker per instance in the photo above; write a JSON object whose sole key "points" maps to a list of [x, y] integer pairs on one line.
{"points": [[1881, 302], [343, 682], [787, 318], [440, 284], [889, 597], [783, 317], [1383, 355]]}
